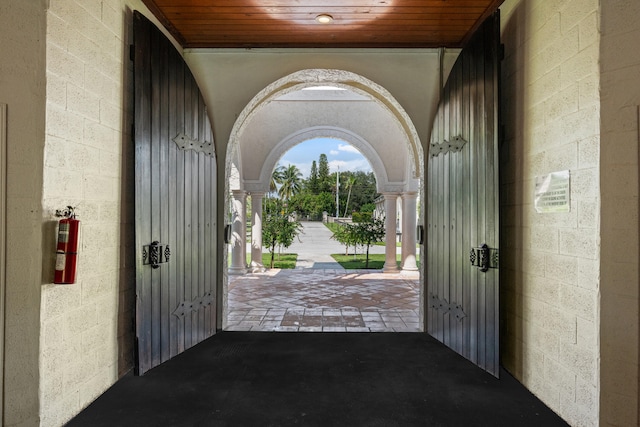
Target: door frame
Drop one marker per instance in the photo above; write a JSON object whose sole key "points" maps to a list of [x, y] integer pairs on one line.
{"points": [[3, 245]]}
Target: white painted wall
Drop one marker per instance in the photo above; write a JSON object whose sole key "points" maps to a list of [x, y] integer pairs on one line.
{"points": [[619, 153], [230, 78], [550, 262], [277, 122]]}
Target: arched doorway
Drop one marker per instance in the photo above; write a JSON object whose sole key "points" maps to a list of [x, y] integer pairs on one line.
{"points": [[343, 105]]}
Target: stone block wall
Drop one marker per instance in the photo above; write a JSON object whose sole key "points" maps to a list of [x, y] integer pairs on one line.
{"points": [[85, 160], [550, 263], [87, 335], [620, 142]]}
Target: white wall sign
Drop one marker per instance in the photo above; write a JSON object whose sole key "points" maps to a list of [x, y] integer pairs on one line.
{"points": [[552, 192]]}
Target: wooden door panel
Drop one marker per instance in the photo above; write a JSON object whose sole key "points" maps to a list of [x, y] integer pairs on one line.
{"points": [[175, 202], [463, 304]]}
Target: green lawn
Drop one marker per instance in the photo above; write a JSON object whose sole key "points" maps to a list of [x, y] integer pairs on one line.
{"points": [[279, 260], [376, 261], [332, 226], [383, 243], [349, 262]]}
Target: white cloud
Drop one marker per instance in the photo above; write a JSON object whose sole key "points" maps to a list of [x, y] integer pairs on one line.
{"points": [[350, 165], [334, 152], [348, 148], [305, 168], [335, 164]]}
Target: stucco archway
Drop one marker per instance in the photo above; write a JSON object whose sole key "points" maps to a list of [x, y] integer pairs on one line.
{"points": [[296, 138], [340, 79], [268, 126]]}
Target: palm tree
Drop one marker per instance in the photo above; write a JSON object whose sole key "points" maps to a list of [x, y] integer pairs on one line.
{"points": [[349, 184], [291, 180], [276, 178]]}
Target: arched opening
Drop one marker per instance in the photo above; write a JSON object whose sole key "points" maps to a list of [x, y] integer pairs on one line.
{"points": [[326, 165], [343, 106], [328, 133]]}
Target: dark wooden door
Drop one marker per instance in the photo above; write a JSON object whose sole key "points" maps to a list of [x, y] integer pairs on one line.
{"points": [[462, 213], [175, 203]]}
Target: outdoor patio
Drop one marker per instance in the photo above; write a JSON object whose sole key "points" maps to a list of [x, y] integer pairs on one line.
{"points": [[324, 300]]}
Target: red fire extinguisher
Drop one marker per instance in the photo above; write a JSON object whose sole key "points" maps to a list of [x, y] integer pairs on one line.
{"points": [[67, 249]]}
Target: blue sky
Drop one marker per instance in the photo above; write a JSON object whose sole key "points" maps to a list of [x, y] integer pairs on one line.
{"points": [[339, 153]]}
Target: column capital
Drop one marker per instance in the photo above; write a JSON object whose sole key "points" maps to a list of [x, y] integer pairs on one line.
{"points": [[257, 193], [409, 195], [390, 194], [238, 193]]}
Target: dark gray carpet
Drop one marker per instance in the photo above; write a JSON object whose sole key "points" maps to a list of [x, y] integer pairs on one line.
{"points": [[317, 379]]}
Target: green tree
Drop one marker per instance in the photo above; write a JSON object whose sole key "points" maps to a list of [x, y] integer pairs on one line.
{"points": [[362, 216], [276, 179], [312, 196], [368, 208], [326, 202], [345, 234], [364, 190], [325, 184], [279, 227], [365, 233], [290, 182], [368, 233], [306, 205], [312, 182]]}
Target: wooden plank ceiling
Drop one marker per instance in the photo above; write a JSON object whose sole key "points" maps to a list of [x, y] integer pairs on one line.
{"points": [[292, 23]]}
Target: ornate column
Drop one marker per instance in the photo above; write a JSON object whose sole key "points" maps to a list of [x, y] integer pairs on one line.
{"points": [[239, 234], [390, 264], [409, 224], [256, 232]]}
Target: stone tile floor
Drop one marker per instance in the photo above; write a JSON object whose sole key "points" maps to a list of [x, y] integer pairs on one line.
{"points": [[324, 300]]}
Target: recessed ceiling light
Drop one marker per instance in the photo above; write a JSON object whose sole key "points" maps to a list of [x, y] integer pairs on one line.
{"points": [[324, 18]]}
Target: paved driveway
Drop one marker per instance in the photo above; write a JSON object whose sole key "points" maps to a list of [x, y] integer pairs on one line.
{"points": [[320, 296], [314, 247]]}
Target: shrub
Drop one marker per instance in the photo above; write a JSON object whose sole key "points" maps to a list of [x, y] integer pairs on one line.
{"points": [[362, 216]]}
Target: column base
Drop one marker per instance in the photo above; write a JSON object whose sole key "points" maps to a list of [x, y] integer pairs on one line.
{"points": [[237, 271], [410, 264], [390, 269], [256, 267]]}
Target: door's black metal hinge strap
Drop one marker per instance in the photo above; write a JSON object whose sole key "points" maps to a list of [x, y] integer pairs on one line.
{"points": [[456, 144], [185, 143], [186, 307], [454, 309]]}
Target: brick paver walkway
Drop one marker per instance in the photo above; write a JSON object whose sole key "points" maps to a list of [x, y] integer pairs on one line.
{"points": [[324, 300]]}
